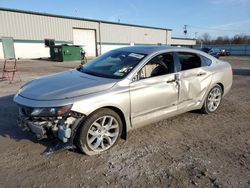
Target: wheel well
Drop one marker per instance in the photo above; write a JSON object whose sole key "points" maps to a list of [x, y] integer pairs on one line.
{"points": [[121, 115], [222, 87]]}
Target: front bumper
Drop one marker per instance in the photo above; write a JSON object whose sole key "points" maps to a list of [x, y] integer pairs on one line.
{"points": [[44, 127], [36, 127]]}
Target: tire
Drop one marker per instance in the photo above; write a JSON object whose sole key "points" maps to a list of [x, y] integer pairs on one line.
{"points": [[83, 59], [99, 132], [213, 100]]}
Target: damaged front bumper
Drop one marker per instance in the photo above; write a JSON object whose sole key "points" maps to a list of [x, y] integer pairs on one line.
{"points": [[63, 128]]}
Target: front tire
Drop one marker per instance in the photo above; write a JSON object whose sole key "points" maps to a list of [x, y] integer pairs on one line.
{"points": [[99, 132], [212, 100]]}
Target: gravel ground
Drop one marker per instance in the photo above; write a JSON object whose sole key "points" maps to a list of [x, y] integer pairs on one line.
{"points": [[190, 150]]}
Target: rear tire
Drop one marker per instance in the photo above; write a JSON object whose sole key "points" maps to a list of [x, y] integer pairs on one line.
{"points": [[99, 132], [212, 100]]}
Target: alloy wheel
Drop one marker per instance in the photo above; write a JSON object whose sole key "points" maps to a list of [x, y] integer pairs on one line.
{"points": [[103, 133], [214, 99]]}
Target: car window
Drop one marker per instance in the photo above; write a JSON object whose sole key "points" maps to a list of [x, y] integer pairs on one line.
{"points": [[189, 60], [114, 64], [206, 61], [159, 65]]}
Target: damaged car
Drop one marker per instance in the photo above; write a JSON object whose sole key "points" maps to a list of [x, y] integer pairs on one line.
{"points": [[91, 107]]}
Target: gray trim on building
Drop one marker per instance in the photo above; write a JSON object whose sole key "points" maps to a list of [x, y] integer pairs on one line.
{"points": [[180, 38], [37, 41]]}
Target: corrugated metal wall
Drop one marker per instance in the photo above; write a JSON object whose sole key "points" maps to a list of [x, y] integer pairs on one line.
{"points": [[27, 26], [38, 27], [112, 33], [29, 29]]}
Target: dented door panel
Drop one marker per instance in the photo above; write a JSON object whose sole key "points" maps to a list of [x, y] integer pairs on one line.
{"points": [[152, 99], [193, 86]]}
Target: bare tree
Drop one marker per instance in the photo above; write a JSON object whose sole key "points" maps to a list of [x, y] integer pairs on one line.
{"points": [[237, 39], [206, 38]]}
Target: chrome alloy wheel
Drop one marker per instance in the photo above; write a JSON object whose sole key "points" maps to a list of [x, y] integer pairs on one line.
{"points": [[103, 133], [214, 99]]}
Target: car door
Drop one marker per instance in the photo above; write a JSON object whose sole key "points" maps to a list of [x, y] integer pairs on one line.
{"points": [[154, 92], [194, 79]]}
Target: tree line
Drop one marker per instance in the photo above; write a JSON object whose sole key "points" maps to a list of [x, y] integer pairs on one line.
{"points": [[236, 39]]}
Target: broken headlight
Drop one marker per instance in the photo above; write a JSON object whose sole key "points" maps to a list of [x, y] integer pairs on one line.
{"points": [[51, 111]]}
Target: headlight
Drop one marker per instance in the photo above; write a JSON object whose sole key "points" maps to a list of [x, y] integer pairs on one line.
{"points": [[51, 112]]}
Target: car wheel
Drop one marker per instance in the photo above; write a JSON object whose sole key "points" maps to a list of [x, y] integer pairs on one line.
{"points": [[213, 100], [99, 132]]}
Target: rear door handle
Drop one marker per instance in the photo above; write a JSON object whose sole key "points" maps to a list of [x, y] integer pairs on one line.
{"points": [[201, 74]]}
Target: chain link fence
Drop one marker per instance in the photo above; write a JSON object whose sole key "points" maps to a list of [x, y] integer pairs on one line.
{"points": [[234, 49]]}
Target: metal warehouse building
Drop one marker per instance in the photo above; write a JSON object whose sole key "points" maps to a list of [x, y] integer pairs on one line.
{"points": [[30, 29]]}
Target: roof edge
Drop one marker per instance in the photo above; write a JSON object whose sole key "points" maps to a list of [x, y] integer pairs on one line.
{"points": [[79, 18], [183, 38]]}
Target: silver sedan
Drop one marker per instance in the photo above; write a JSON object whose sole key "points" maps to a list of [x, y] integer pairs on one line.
{"points": [[91, 107]]}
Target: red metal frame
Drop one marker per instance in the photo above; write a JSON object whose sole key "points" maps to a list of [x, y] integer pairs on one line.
{"points": [[10, 72]]}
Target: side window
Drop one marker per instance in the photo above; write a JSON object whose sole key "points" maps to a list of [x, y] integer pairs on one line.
{"points": [[206, 61], [159, 65], [189, 60]]}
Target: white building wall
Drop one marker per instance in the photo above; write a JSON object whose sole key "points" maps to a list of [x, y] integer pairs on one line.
{"points": [[1, 51], [169, 36], [28, 50], [38, 27], [183, 42], [31, 50]]}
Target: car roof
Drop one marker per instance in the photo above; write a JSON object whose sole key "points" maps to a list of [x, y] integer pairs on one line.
{"points": [[149, 49]]}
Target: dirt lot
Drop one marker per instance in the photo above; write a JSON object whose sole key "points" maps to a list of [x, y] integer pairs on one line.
{"points": [[191, 150]]}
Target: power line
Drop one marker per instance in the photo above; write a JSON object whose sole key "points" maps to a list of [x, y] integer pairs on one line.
{"points": [[204, 28]]}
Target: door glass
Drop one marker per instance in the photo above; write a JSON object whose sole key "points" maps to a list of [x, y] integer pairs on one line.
{"points": [[189, 60], [159, 65]]}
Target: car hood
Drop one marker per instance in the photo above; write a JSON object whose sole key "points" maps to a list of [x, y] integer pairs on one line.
{"points": [[65, 85]]}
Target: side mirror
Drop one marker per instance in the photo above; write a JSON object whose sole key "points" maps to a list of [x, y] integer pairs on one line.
{"points": [[177, 77]]}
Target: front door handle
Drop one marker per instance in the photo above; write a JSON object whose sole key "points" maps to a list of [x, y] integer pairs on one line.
{"points": [[201, 74], [170, 81]]}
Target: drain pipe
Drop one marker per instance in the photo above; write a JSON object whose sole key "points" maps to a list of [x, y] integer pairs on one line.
{"points": [[100, 39]]}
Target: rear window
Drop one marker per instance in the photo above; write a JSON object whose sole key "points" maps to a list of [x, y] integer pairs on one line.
{"points": [[206, 61]]}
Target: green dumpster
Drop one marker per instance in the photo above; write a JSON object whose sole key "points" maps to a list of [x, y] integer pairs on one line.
{"points": [[65, 52]]}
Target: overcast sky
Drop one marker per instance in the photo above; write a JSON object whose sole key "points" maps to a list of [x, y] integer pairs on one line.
{"points": [[217, 17]]}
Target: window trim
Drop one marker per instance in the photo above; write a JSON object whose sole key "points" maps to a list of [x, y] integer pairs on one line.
{"points": [[204, 61], [174, 64], [178, 63]]}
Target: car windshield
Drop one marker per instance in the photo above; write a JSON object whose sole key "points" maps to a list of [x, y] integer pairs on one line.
{"points": [[114, 64]]}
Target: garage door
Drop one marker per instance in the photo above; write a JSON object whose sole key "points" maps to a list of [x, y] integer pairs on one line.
{"points": [[87, 39]]}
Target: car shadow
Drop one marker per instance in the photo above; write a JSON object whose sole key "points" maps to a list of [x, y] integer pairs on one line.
{"points": [[10, 129], [241, 72]]}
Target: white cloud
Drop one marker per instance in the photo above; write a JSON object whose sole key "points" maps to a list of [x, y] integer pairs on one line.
{"points": [[232, 25]]}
